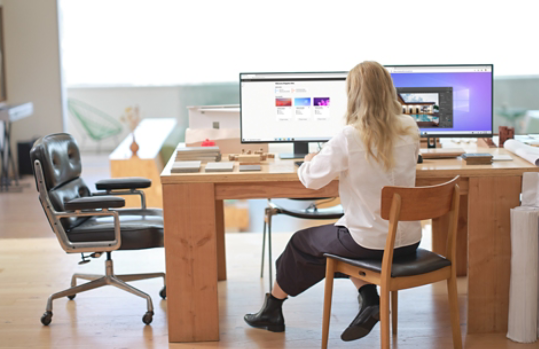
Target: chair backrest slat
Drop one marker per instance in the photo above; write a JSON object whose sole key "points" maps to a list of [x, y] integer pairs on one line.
{"points": [[419, 203]]}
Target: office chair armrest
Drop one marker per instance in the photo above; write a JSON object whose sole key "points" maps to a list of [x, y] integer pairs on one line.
{"points": [[124, 192], [80, 247], [94, 202], [123, 183]]}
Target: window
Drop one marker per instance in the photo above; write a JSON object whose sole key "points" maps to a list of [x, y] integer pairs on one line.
{"points": [[169, 42]]}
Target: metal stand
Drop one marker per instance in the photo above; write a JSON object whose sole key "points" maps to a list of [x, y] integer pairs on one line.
{"points": [[111, 279], [7, 160], [300, 150]]}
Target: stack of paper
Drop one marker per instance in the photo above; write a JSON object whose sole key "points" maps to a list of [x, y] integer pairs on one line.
{"points": [[204, 154], [185, 166], [219, 167]]}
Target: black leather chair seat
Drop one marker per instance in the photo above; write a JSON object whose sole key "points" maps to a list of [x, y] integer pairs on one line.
{"points": [[334, 212], [138, 231], [421, 263]]}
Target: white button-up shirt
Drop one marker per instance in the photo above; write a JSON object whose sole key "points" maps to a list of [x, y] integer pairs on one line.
{"points": [[361, 182]]}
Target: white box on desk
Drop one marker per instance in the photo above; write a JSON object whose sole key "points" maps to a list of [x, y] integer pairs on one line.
{"points": [[214, 116], [228, 140]]}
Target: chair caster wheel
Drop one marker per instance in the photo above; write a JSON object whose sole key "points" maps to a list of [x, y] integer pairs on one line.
{"points": [[163, 292], [147, 318], [46, 318], [71, 297]]}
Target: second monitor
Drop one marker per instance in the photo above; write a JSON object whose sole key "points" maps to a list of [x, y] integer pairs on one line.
{"points": [[446, 101]]}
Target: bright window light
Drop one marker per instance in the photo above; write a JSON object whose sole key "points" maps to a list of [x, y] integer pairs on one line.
{"points": [[172, 42]]}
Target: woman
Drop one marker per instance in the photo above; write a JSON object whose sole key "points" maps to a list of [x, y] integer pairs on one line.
{"points": [[378, 147]]}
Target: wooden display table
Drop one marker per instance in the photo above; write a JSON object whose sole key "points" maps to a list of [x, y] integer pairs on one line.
{"points": [[157, 139]]}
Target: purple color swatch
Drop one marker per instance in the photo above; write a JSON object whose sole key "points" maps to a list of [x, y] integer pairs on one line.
{"points": [[472, 96], [321, 101]]}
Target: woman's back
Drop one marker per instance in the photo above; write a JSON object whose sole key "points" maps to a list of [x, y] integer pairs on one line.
{"points": [[361, 182]]}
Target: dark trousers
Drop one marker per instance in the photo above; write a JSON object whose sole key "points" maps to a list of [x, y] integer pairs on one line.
{"points": [[302, 264]]}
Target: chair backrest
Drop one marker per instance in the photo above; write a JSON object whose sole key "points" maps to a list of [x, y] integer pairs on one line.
{"points": [[414, 204], [58, 159], [419, 203]]}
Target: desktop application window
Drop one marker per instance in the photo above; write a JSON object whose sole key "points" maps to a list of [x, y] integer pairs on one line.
{"points": [[287, 107], [446, 100]]}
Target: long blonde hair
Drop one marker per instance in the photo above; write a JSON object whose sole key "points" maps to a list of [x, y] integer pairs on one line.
{"points": [[373, 110]]}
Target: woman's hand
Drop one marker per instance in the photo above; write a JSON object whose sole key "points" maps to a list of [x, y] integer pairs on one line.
{"points": [[310, 156]]}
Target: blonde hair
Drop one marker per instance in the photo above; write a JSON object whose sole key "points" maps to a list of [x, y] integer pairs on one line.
{"points": [[373, 109]]}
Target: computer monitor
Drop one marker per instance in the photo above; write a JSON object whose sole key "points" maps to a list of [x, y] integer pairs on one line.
{"points": [[445, 100], [292, 107]]}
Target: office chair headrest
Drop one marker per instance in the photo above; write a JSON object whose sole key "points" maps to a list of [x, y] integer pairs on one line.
{"points": [[59, 157]]}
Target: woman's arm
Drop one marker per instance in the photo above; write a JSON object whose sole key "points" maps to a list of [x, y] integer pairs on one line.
{"points": [[320, 169]]}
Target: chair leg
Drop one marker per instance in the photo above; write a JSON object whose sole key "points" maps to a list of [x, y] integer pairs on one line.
{"points": [[263, 247], [270, 259], [328, 295], [384, 317], [135, 277], [89, 277], [77, 289], [454, 310], [394, 311], [114, 281]]}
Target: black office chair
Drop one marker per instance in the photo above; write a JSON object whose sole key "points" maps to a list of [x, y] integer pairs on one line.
{"points": [[311, 212], [86, 222]]}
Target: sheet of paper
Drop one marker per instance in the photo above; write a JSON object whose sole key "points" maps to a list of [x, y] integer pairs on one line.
{"points": [[530, 154]]}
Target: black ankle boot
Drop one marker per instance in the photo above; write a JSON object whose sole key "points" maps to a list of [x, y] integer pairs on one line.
{"points": [[270, 317], [368, 316]]}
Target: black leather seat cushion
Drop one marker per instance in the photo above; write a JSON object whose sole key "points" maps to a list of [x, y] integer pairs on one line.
{"points": [[138, 231], [334, 212], [140, 211], [421, 263], [123, 183]]}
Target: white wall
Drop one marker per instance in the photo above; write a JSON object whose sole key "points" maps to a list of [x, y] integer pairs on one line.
{"points": [[32, 54]]}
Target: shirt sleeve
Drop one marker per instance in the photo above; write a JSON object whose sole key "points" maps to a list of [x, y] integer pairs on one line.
{"points": [[326, 166]]}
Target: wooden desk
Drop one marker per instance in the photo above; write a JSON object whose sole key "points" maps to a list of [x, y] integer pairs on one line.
{"points": [[195, 250]]}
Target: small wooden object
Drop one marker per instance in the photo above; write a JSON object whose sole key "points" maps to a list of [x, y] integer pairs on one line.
{"points": [[441, 153], [505, 133], [248, 159]]}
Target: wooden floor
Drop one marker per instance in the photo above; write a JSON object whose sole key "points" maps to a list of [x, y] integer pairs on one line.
{"points": [[31, 269]]}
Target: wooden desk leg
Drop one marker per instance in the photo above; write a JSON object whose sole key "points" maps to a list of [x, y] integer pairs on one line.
{"points": [[221, 248], [489, 251], [191, 262], [439, 236]]}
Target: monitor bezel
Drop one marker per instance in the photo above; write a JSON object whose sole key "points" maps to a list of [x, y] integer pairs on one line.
{"points": [[422, 135]]}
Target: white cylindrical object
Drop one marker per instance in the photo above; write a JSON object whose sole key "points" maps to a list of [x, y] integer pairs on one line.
{"points": [[524, 284]]}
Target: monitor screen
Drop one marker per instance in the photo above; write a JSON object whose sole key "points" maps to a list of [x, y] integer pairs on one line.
{"points": [[291, 107], [446, 101]]}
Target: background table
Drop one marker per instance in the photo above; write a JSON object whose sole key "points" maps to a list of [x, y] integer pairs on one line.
{"points": [[195, 248]]}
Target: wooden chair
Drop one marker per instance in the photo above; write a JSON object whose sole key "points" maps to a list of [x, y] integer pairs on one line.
{"points": [[405, 204]]}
